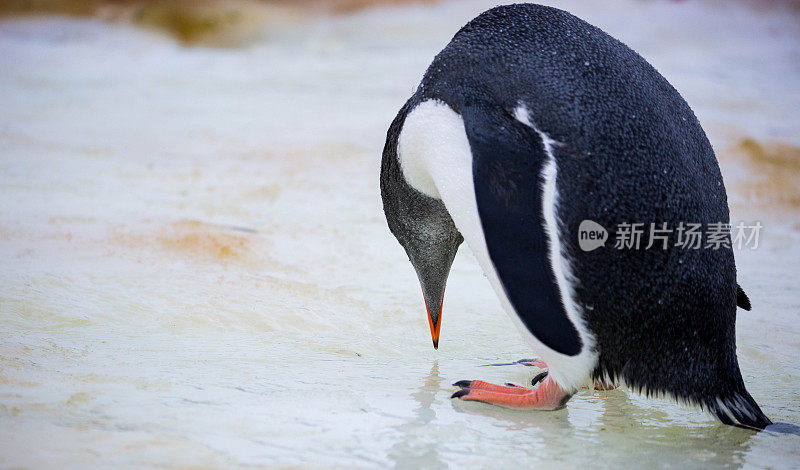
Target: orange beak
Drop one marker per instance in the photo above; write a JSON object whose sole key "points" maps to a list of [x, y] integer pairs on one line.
{"points": [[434, 324]]}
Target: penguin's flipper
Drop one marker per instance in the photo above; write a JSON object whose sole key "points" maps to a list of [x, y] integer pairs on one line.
{"points": [[741, 298], [508, 161]]}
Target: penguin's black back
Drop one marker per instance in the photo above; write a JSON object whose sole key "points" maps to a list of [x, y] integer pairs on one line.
{"points": [[631, 151]]}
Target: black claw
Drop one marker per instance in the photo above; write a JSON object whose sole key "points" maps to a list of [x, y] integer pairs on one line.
{"points": [[539, 378], [509, 384], [523, 361], [463, 383], [460, 393]]}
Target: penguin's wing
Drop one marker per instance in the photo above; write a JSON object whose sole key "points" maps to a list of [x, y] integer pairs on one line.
{"points": [[509, 162]]}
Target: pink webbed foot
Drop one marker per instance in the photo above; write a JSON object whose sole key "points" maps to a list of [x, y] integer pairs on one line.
{"points": [[547, 396], [535, 363], [508, 388]]}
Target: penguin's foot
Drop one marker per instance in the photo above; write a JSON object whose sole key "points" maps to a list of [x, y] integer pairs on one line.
{"points": [[598, 384], [533, 363], [536, 362], [490, 387], [547, 396]]}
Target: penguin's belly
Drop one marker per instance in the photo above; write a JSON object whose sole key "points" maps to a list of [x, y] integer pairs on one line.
{"points": [[436, 159]]}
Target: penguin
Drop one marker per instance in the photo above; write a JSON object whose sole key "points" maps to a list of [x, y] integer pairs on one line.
{"points": [[529, 122]]}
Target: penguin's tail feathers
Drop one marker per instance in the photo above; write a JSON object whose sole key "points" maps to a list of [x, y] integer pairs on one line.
{"points": [[741, 298], [738, 409]]}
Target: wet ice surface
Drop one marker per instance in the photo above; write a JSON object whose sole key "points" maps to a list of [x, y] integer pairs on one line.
{"points": [[196, 269]]}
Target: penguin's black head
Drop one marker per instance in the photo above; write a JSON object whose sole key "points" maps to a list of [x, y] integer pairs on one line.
{"points": [[423, 227]]}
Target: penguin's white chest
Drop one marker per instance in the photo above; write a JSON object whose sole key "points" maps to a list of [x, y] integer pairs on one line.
{"points": [[436, 159]]}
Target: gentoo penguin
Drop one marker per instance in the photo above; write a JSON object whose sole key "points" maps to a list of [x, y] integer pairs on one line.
{"points": [[528, 123]]}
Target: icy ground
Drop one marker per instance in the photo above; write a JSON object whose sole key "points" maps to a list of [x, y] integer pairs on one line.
{"points": [[195, 268]]}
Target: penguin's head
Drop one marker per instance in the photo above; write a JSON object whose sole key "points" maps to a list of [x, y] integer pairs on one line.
{"points": [[424, 229], [431, 250], [431, 242]]}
